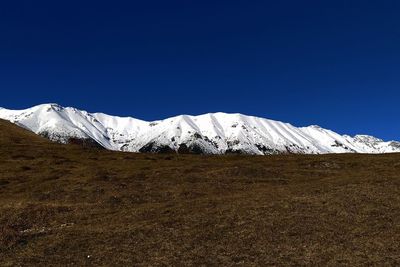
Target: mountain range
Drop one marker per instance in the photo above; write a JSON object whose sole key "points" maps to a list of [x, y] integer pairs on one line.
{"points": [[212, 133]]}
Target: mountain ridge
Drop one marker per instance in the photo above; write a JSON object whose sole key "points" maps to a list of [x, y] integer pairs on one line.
{"points": [[210, 133]]}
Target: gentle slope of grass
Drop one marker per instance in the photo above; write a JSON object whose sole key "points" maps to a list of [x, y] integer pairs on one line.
{"points": [[64, 205]]}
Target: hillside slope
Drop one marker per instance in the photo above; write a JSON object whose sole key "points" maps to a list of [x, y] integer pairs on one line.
{"points": [[64, 205], [12, 135]]}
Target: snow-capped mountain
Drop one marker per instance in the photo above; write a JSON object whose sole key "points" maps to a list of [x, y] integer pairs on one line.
{"points": [[212, 133]]}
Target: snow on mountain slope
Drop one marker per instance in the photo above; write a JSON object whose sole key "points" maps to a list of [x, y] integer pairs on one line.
{"points": [[213, 133]]}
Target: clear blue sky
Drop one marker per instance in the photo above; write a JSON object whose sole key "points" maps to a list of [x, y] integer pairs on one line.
{"points": [[331, 63]]}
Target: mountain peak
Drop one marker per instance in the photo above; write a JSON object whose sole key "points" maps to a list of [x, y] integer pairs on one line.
{"points": [[367, 138]]}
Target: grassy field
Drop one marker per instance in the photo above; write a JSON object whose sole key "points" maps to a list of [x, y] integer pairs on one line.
{"points": [[64, 205]]}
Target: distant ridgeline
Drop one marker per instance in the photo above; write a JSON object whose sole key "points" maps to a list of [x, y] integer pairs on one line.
{"points": [[213, 133]]}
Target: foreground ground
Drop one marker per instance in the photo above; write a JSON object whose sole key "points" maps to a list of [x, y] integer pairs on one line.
{"points": [[63, 205]]}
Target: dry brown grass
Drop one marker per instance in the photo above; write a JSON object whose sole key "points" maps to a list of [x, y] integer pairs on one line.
{"points": [[62, 205]]}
